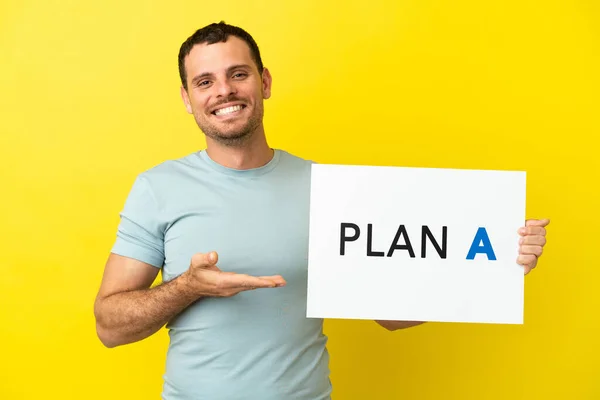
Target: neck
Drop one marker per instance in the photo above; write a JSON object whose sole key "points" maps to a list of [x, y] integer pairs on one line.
{"points": [[254, 153]]}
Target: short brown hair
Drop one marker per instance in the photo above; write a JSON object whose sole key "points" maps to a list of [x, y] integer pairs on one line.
{"points": [[213, 33]]}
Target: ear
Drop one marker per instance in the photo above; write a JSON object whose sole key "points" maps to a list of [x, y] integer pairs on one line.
{"points": [[267, 81], [186, 100]]}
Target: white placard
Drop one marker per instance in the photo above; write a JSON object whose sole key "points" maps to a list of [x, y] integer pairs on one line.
{"points": [[368, 260]]}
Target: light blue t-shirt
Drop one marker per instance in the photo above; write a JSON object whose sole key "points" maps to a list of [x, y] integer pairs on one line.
{"points": [[257, 345]]}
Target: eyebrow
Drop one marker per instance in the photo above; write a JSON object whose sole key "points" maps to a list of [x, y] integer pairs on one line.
{"points": [[229, 70]]}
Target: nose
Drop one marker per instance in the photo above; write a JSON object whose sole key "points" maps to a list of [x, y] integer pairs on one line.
{"points": [[225, 88]]}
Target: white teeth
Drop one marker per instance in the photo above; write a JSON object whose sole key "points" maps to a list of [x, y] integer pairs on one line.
{"points": [[228, 110]]}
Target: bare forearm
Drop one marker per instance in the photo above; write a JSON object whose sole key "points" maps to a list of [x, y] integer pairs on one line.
{"points": [[394, 325], [131, 316]]}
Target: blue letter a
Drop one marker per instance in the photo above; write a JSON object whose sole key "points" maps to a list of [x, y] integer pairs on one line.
{"points": [[486, 247]]}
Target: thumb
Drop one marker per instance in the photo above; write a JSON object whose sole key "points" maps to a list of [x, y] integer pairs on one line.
{"points": [[212, 258], [537, 222], [205, 260]]}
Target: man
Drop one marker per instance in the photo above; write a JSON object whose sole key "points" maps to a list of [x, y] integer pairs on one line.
{"points": [[222, 223]]}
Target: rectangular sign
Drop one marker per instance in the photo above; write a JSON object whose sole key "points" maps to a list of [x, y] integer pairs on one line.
{"points": [[424, 244]]}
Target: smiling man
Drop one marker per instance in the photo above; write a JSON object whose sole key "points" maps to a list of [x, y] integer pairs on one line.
{"points": [[228, 226], [226, 99]]}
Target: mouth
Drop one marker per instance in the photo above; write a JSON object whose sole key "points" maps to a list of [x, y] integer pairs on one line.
{"points": [[229, 110]]}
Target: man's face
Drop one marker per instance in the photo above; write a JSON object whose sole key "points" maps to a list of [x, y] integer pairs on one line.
{"points": [[225, 90]]}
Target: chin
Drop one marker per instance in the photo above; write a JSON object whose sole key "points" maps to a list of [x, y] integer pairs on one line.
{"points": [[233, 133], [230, 138]]}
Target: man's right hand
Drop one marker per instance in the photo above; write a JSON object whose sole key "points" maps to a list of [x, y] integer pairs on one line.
{"points": [[128, 309], [206, 279]]}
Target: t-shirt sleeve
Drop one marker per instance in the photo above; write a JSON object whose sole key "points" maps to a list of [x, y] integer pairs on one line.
{"points": [[140, 234]]}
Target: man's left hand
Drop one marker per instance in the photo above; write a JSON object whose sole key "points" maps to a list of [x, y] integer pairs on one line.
{"points": [[531, 243]]}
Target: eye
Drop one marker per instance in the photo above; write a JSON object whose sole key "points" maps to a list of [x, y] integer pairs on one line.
{"points": [[203, 83], [240, 75]]}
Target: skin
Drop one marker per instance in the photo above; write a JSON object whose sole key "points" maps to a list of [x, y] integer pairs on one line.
{"points": [[127, 308], [236, 140]]}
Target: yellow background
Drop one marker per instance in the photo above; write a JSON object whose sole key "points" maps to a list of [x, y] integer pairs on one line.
{"points": [[90, 98]]}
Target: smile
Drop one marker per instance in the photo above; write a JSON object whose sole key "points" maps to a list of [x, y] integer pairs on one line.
{"points": [[228, 110]]}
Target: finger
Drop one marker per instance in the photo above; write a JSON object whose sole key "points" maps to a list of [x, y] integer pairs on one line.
{"points": [[278, 279], [205, 260], [532, 230], [537, 222], [531, 250], [527, 260], [212, 258], [535, 240], [245, 282]]}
